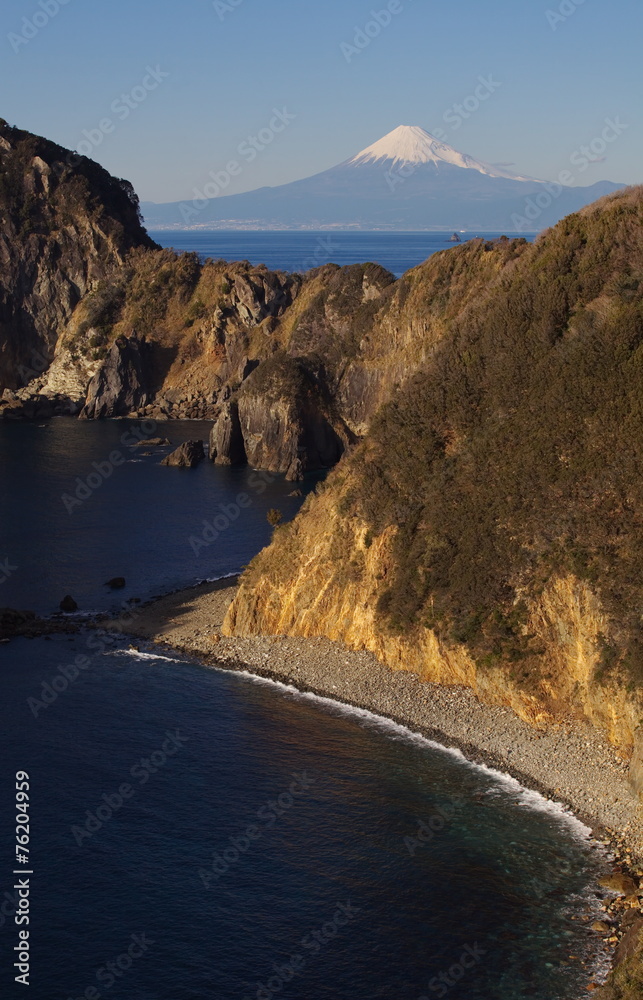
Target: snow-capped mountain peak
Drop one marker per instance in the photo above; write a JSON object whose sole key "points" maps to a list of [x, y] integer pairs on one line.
{"points": [[412, 144]]}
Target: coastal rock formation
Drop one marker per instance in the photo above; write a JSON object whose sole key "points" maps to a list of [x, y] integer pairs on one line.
{"points": [[187, 456], [486, 531], [290, 368], [64, 225], [226, 437], [120, 386], [285, 422]]}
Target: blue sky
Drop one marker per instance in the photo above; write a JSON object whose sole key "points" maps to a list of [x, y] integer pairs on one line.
{"points": [[556, 78]]}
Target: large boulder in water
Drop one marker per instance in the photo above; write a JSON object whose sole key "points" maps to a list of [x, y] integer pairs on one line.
{"points": [[226, 437], [68, 604], [187, 455]]}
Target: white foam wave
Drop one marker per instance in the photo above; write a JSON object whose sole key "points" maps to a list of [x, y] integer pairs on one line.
{"points": [[81, 614], [225, 576], [137, 654], [523, 797]]}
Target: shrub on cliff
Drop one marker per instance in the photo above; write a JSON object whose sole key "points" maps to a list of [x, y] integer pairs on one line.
{"points": [[516, 454]]}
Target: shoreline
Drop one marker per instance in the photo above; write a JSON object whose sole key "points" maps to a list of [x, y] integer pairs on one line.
{"points": [[564, 762], [570, 763]]}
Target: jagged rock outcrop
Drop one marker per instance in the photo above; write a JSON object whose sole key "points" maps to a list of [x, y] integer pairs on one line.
{"points": [[201, 324], [285, 422], [120, 387], [226, 437], [273, 359], [487, 530], [187, 456], [65, 223], [206, 334], [260, 294], [36, 407]]}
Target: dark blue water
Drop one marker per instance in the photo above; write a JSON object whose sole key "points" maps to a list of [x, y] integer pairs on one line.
{"points": [[301, 251], [140, 520], [239, 840], [144, 771]]}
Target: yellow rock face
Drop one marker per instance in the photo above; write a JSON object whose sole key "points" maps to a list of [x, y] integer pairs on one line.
{"points": [[322, 576]]}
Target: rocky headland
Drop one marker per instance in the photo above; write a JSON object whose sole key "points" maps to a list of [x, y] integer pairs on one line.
{"points": [[480, 530]]}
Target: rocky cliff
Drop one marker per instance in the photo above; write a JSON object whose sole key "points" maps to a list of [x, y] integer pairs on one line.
{"points": [[487, 531], [120, 385], [65, 224], [290, 368]]}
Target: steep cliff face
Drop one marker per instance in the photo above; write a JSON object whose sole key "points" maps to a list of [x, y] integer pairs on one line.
{"points": [[226, 437], [120, 386], [290, 368], [285, 421], [65, 223], [315, 377], [487, 531]]}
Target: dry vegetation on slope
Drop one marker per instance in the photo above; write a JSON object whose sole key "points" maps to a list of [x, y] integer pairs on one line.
{"points": [[489, 530]]}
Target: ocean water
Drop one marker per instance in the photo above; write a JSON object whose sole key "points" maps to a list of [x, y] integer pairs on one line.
{"points": [[301, 251], [136, 519], [202, 835], [249, 842]]}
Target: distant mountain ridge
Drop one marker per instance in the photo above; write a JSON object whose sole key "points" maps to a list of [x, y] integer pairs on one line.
{"points": [[407, 180]]}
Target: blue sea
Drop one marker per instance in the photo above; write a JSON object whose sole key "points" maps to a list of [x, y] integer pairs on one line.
{"points": [[71, 519], [204, 835], [298, 251]]}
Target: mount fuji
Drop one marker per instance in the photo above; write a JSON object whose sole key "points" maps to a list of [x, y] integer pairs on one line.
{"points": [[408, 180]]}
